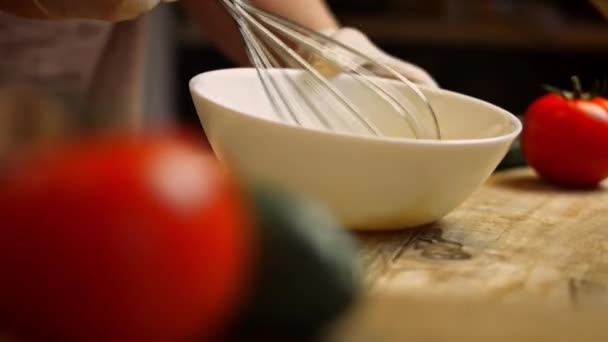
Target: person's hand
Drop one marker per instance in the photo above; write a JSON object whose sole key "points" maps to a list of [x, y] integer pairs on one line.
{"points": [[358, 40], [106, 10]]}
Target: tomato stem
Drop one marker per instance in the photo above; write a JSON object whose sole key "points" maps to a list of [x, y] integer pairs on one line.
{"points": [[577, 92], [552, 89], [578, 87]]}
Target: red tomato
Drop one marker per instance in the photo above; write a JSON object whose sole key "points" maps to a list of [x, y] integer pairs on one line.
{"points": [[565, 139], [120, 240]]}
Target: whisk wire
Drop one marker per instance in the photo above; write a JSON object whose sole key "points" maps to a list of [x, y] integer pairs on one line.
{"points": [[283, 48], [258, 60], [302, 96], [298, 33], [264, 60], [322, 59]]}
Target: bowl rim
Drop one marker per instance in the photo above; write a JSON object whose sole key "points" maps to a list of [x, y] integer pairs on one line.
{"points": [[517, 125]]}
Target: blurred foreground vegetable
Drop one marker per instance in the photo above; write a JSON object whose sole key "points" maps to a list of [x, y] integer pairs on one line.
{"points": [[149, 238], [120, 239], [308, 274]]}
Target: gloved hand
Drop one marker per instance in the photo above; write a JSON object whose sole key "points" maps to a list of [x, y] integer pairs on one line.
{"points": [[359, 41], [107, 10]]}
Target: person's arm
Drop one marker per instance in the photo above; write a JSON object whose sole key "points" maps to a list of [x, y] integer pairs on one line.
{"points": [[212, 18], [109, 10], [314, 14]]}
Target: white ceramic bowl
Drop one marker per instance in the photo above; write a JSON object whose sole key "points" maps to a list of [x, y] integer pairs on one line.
{"points": [[370, 183]]}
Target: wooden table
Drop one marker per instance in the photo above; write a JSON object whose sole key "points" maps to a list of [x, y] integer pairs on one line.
{"points": [[520, 259]]}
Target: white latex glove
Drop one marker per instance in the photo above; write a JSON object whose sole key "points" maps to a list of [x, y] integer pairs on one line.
{"points": [[359, 41], [107, 10]]}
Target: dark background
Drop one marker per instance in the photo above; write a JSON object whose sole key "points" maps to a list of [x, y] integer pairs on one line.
{"points": [[497, 50]]}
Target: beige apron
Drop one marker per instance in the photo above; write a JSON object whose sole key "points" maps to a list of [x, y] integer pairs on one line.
{"points": [[92, 61]]}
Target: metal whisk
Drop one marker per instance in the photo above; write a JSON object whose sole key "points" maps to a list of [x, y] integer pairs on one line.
{"points": [[315, 81]]}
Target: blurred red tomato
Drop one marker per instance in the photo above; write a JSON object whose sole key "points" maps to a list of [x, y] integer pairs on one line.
{"points": [[565, 138], [120, 239]]}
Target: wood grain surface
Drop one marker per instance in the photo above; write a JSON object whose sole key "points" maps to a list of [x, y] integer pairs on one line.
{"points": [[519, 257]]}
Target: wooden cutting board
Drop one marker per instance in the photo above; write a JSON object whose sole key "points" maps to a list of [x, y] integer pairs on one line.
{"points": [[518, 242]]}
